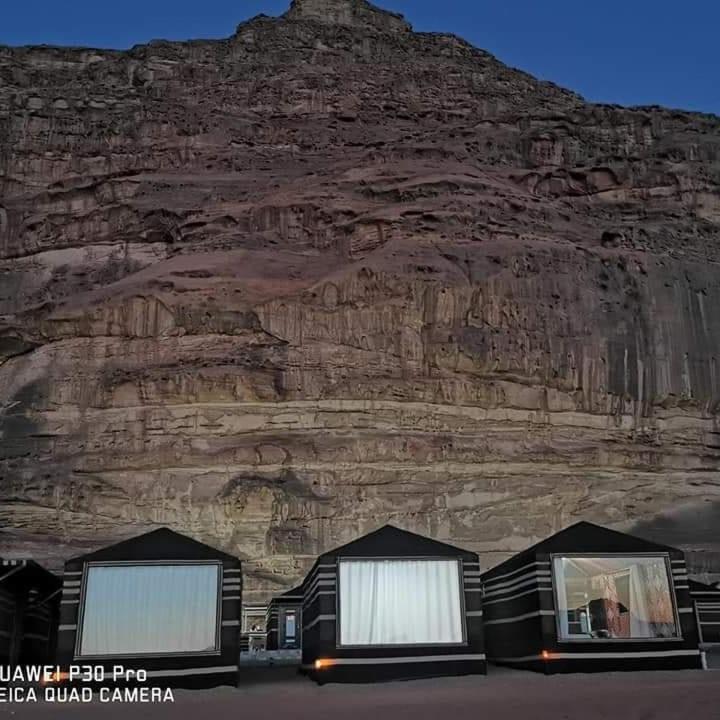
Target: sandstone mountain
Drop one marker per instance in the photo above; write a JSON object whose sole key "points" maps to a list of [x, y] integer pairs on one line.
{"points": [[279, 289]]}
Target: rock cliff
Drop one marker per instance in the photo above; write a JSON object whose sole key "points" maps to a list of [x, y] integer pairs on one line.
{"points": [[279, 289]]}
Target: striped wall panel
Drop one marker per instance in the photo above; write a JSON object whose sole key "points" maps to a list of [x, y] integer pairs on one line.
{"points": [[708, 615], [707, 608], [28, 613], [8, 610], [516, 600]]}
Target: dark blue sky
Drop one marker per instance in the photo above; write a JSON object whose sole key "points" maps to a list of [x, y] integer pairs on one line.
{"points": [[632, 52]]}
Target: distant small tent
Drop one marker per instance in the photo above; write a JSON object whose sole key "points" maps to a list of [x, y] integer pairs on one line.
{"points": [[162, 602], [29, 607], [393, 604], [590, 598], [253, 633], [284, 621]]}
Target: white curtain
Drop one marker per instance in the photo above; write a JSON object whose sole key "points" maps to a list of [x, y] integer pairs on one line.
{"points": [[400, 602], [562, 600], [149, 609], [639, 615]]}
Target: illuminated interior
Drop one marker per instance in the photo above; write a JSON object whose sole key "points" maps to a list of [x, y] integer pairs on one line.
{"points": [[614, 598]]}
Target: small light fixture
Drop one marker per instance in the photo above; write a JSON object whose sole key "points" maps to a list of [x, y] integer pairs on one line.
{"points": [[545, 655], [321, 664], [55, 677]]}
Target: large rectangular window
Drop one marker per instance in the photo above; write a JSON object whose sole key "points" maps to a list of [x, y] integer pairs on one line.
{"points": [[150, 609], [614, 597], [400, 602]]}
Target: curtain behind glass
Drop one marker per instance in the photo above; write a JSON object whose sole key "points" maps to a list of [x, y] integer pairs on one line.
{"points": [[399, 602], [589, 587], [639, 614], [290, 626], [150, 609], [562, 599]]}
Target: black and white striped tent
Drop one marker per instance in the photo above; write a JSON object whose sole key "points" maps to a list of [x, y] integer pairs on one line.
{"points": [[393, 604], [284, 621], [707, 605], [590, 598], [253, 635], [29, 603], [161, 602]]}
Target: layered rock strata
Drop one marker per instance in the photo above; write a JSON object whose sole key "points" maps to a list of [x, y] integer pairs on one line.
{"points": [[276, 290]]}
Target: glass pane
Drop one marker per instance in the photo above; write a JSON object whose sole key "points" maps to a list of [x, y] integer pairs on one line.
{"points": [[140, 609], [399, 602], [614, 597], [290, 626]]}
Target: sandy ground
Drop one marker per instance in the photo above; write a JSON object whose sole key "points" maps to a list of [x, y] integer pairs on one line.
{"points": [[503, 695]]}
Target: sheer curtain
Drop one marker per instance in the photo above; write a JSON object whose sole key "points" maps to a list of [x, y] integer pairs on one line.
{"points": [[149, 609], [400, 602], [562, 599], [639, 617]]}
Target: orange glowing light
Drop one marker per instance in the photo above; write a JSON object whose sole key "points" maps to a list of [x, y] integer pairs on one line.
{"points": [[545, 655], [54, 678], [320, 664]]}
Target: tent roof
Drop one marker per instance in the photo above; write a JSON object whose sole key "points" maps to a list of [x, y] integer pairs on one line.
{"points": [[287, 596], [391, 541], [586, 537], [160, 544], [294, 591], [697, 587], [29, 573]]}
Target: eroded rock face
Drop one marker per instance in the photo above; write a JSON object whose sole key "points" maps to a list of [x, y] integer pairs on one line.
{"points": [[277, 290]]}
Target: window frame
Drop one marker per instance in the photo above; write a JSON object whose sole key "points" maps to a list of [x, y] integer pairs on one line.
{"points": [[282, 626], [217, 649], [389, 646], [665, 556]]}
